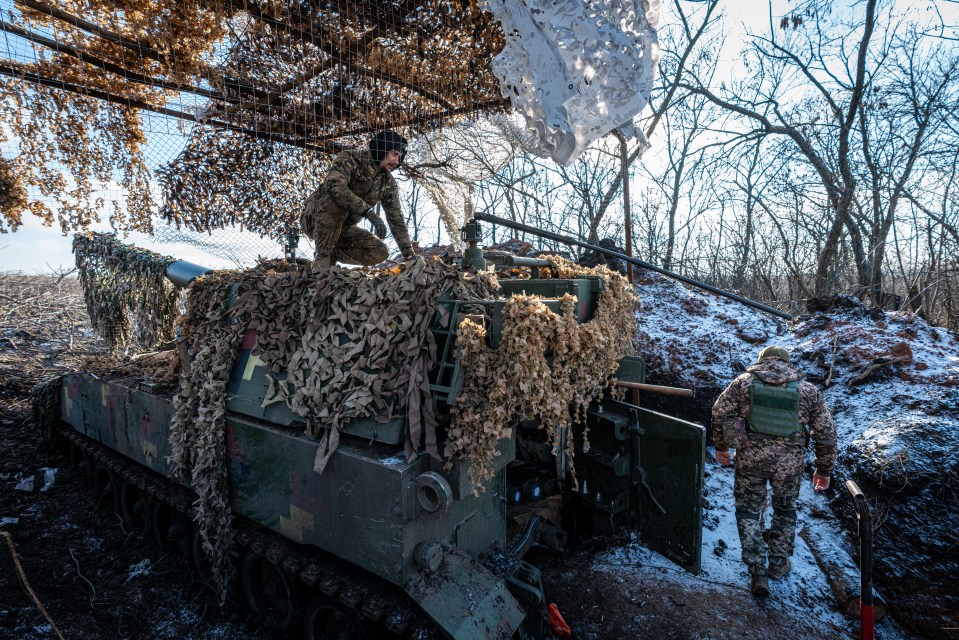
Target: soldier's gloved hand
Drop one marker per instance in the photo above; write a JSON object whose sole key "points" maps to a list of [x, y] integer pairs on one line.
{"points": [[379, 227], [723, 458], [820, 483]]}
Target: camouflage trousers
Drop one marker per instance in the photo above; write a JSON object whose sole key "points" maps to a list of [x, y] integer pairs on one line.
{"points": [[337, 237], [783, 472], [357, 246]]}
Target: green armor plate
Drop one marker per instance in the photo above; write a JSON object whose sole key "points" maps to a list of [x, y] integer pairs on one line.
{"points": [[773, 410]]}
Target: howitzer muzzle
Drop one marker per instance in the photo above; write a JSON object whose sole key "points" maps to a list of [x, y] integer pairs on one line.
{"points": [[181, 273]]}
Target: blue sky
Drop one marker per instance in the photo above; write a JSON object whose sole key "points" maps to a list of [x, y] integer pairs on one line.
{"points": [[34, 249]]}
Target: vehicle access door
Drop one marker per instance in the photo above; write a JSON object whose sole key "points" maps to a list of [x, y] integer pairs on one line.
{"points": [[645, 469]]}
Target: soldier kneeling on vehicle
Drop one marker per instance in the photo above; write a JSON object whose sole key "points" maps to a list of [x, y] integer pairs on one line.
{"points": [[358, 180]]}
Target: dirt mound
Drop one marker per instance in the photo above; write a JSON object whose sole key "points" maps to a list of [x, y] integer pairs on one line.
{"points": [[891, 383]]}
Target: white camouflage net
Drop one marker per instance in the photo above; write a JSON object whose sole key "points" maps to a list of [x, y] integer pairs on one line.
{"points": [[573, 71], [576, 70]]}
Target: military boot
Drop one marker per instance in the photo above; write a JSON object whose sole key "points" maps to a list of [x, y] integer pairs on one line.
{"points": [[759, 585], [779, 568]]}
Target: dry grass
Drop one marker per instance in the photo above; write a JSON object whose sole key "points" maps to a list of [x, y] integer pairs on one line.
{"points": [[44, 331]]}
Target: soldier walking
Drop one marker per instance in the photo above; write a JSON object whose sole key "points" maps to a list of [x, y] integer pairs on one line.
{"points": [[768, 415], [357, 181]]}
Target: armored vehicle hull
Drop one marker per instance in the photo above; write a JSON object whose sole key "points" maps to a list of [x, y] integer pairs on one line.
{"points": [[383, 542]]}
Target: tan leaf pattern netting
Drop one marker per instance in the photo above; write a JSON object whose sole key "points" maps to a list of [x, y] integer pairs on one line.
{"points": [[353, 344], [546, 366], [237, 99], [127, 293], [345, 344], [198, 452]]}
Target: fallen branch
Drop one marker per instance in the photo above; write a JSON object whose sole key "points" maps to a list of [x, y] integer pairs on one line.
{"points": [[843, 585], [832, 363], [901, 353], [76, 562], [26, 583]]}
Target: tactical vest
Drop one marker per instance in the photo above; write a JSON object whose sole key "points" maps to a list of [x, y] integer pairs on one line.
{"points": [[774, 410]]}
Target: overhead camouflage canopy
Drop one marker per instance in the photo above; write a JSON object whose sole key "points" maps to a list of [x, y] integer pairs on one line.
{"points": [[233, 108], [270, 86]]}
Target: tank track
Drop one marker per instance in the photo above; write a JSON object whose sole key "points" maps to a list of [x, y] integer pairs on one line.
{"points": [[383, 607]]}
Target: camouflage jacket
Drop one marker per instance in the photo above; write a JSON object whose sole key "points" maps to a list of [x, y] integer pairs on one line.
{"points": [[734, 403], [353, 185]]}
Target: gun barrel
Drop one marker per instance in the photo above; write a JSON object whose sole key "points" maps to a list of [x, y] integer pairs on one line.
{"points": [[485, 217], [181, 273]]}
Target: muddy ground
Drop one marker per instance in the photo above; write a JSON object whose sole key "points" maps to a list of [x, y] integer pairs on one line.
{"points": [[69, 563], [94, 580]]}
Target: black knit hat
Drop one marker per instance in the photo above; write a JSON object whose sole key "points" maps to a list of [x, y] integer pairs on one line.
{"points": [[385, 141]]}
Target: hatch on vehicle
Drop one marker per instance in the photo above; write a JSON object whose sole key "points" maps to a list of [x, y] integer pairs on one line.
{"points": [[672, 454], [645, 469]]}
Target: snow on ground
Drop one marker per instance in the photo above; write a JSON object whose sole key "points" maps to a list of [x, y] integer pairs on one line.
{"points": [[904, 416], [701, 340], [804, 593], [696, 338]]}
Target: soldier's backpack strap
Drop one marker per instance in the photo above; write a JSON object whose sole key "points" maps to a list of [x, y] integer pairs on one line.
{"points": [[774, 410]]}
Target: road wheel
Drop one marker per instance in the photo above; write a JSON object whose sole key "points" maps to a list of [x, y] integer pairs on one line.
{"points": [[106, 488], [270, 592], [172, 529], [135, 508], [82, 461], [329, 619]]}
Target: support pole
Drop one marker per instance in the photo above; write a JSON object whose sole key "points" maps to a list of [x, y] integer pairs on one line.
{"points": [[627, 213], [656, 388]]}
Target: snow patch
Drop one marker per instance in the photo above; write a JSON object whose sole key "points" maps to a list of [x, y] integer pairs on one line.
{"points": [[903, 419], [141, 568], [25, 483]]}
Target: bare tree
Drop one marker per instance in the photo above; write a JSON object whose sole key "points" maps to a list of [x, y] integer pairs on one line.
{"points": [[900, 122], [813, 57], [677, 51]]}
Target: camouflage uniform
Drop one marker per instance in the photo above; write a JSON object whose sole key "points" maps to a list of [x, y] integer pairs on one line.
{"points": [[778, 460], [354, 184]]}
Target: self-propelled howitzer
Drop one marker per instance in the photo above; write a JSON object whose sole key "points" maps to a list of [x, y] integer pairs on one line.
{"points": [[379, 540]]}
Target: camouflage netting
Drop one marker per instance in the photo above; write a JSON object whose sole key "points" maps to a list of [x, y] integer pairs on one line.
{"points": [[368, 348], [266, 90], [197, 433], [45, 400], [353, 343], [126, 291], [544, 365], [13, 195], [161, 369]]}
